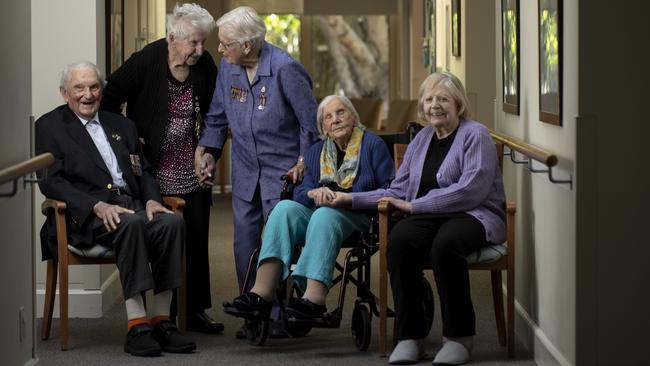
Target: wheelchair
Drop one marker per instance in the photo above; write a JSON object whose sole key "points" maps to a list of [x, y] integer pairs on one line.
{"points": [[355, 269]]}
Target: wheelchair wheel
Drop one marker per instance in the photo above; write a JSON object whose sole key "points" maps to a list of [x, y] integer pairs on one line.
{"points": [[361, 330], [427, 304], [257, 331], [295, 329]]}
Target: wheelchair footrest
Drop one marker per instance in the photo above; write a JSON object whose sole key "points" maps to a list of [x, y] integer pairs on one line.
{"points": [[251, 315], [328, 320]]}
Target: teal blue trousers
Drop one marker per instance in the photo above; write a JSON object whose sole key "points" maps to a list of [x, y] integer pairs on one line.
{"points": [[321, 230]]}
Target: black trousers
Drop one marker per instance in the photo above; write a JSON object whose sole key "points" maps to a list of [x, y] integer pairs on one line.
{"points": [[148, 253], [444, 241], [197, 266]]}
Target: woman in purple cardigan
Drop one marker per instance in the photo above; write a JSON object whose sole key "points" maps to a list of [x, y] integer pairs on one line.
{"points": [[450, 187]]}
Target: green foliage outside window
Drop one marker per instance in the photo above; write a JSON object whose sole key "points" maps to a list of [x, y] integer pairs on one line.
{"points": [[284, 31]]}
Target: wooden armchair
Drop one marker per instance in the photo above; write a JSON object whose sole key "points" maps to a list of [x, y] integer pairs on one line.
{"points": [[494, 258], [68, 256], [369, 112]]}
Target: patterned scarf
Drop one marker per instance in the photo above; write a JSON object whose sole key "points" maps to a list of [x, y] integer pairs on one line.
{"points": [[344, 176]]}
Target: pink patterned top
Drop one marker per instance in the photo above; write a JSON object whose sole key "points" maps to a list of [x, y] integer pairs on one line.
{"points": [[175, 173]]}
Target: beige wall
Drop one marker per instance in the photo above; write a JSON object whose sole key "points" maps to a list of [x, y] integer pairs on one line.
{"points": [[613, 183], [52, 49], [546, 215], [17, 339]]}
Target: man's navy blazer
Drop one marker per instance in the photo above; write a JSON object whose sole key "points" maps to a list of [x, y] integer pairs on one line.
{"points": [[79, 175]]}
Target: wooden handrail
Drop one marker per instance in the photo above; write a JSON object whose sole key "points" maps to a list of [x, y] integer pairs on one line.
{"points": [[525, 148], [26, 167]]}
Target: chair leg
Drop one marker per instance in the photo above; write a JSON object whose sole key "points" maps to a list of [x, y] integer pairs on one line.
{"points": [[63, 303], [497, 297], [50, 295], [510, 300]]}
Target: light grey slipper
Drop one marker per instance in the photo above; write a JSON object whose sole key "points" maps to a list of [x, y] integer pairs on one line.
{"points": [[451, 353], [407, 351]]}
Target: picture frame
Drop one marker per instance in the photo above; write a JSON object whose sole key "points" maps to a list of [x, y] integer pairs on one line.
{"points": [[455, 28], [429, 36], [550, 61], [510, 55], [114, 35]]}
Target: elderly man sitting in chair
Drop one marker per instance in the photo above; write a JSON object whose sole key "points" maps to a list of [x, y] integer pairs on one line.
{"points": [[112, 199]]}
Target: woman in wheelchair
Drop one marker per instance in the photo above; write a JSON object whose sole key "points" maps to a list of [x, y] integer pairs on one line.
{"points": [[348, 159], [450, 187]]}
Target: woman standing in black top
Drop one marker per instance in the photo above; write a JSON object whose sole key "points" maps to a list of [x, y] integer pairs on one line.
{"points": [[167, 88]]}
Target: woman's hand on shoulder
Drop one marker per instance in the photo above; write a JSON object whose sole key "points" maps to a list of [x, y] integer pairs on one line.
{"points": [[399, 204]]}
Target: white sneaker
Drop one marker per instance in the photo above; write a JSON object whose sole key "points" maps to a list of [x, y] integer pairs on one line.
{"points": [[451, 353], [407, 351]]}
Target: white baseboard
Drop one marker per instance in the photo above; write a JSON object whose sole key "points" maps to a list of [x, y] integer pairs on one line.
{"points": [[545, 353], [85, 303]]}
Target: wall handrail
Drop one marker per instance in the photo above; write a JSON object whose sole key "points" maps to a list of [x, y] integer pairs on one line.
{"points": [[16, 171], [531, 152]]}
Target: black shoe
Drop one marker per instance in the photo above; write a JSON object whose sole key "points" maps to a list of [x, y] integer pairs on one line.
{"points": [[170, 338], [140, 341], [305, 309], [241, 332], [249, 306], [202, 323]]}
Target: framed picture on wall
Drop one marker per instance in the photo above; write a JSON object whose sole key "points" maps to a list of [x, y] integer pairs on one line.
{"points": [[429, 35], [114, 35], [510, 53], [550, 61], [455, 28]]}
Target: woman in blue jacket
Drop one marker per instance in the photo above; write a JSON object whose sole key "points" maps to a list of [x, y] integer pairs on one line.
{"points": [[348, 159]]}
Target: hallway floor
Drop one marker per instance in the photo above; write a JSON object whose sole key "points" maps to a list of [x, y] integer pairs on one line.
{"points": [[100, 341]]}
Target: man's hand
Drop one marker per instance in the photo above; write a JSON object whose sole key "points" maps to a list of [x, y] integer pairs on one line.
{"points": [[298, 171], [321, 196], [204, 166], [109, 214], [404, 206], [341, 199], [154, 207]]}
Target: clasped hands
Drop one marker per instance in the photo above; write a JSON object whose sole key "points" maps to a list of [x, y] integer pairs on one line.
{"points": [[110, 214], [324, 196], [204, 166]]}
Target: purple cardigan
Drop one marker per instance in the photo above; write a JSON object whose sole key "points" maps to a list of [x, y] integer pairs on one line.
{"points": [[469, 179]]}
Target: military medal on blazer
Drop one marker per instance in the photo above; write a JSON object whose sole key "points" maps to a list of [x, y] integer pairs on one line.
{"points": [[136, 165], [262, 104], [238, 93]]}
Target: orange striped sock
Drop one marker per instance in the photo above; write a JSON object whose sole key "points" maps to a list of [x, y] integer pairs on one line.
{"points": [[157, 319], [138, 321]]}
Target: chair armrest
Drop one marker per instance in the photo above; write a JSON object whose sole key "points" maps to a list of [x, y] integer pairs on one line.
{"points": [[511, 208], [57, 206], [385, 207], [175, 203]]}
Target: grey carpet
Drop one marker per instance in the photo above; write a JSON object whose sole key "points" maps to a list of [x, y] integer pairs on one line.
{"points": [[100, 341]]}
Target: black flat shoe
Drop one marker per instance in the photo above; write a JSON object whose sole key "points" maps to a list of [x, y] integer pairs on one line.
{"points": [[202, 323], [305, 309], [249, 306], [140, 342], [170, 338]]}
